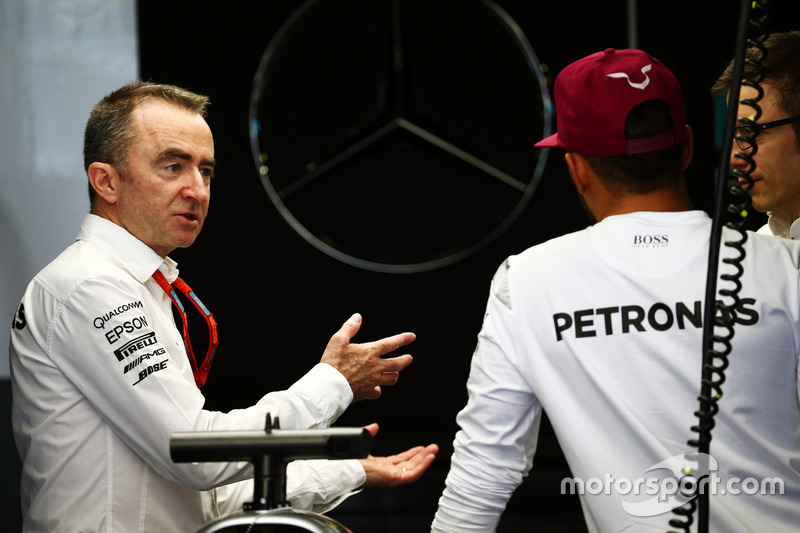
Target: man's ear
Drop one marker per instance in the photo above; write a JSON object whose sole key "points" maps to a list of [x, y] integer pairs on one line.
{"points": [[578, 167], [688, 147], [104, 179]]}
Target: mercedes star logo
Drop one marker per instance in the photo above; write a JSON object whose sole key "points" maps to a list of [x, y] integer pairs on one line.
{"points": [[397, 136]]}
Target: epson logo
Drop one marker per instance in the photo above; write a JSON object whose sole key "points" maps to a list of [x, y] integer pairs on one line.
{"points": [[129, 326], [648, 241]]}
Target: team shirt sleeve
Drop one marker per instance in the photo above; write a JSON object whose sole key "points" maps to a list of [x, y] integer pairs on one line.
{"points": [[313, 485], [494, 447], [135, 373]]}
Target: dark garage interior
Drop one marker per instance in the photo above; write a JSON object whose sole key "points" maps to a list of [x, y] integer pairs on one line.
{"points": [[376, 156]]}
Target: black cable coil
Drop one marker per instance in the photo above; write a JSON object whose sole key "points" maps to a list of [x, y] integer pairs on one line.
{"points": [[720, 314]]}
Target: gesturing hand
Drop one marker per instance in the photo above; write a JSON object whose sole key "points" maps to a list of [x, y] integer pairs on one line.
{"points": [[362, 364], [397, 469]]}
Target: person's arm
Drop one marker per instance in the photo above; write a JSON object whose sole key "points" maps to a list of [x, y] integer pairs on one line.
{"points": [[321, 485], [315, 485], [493, 450], [145, 405]]}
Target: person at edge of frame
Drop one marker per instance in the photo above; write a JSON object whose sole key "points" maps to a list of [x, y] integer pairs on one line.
{"points": [[602, 329], [776, 177], [102, 377]]}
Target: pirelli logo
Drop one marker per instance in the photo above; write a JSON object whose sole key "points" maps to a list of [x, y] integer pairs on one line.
{"points": [[134, 345]]}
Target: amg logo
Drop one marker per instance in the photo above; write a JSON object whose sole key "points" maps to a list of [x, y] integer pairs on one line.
{"points": [[145, 356], [649, 241], [134, 345]]}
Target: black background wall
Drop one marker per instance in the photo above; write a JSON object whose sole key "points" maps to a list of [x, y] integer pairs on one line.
{"points": [[278, 299]]}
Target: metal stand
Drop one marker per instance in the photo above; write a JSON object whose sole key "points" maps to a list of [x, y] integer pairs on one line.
{"points": [[285, 520], [269, 451]]}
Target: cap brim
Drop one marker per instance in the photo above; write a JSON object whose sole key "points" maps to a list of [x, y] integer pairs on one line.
{"points": [[548, 142]]}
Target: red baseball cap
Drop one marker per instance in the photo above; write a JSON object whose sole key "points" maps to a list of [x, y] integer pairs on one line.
{"points": [[594, 95]]}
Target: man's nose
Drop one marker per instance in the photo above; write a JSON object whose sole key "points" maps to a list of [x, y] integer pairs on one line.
{"points": [[197, 186]]}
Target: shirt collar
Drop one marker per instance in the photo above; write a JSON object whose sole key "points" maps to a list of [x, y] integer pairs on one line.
{"points": [[782, 225], [670, 217], [131, 253]]}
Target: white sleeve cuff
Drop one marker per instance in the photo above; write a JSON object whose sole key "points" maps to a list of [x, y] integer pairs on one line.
{"points": [[320, 485], [326, 387]]}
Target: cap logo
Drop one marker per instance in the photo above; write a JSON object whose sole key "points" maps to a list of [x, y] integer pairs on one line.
{"points": [[639, 86]]}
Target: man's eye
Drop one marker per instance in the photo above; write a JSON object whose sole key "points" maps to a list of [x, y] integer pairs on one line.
{"points": [[174, 167], [207, 172]]}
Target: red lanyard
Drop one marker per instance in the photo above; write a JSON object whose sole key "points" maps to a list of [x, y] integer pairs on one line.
{"points": [[201, 373]]}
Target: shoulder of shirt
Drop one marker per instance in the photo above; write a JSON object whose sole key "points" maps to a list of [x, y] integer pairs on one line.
{"points": [[539, 256], [764, 230], [80, 263], [569, 248], [775, 245], [95, 255], [566, 254]]}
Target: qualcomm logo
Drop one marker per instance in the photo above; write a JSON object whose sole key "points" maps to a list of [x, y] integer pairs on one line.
{"points": [[639, 86]]}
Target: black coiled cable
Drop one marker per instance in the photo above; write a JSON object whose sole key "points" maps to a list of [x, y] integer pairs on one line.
{"points": [[720, 314]]}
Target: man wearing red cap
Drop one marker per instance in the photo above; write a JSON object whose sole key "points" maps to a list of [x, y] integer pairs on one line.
{"points": [[602, 330]]}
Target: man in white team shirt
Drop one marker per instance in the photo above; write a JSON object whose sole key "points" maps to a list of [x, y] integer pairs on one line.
{"points": [[102, 378], [602, 330], [776, 178]]}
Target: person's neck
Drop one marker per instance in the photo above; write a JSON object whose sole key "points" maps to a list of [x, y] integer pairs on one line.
{"points": [[658, 201]]}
